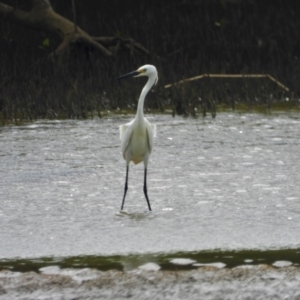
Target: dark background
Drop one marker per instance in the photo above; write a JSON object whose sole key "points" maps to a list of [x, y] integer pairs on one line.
{"points": [[185, 39]]}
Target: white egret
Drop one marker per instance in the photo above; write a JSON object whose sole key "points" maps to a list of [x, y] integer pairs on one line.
{"points": [[137, 135]]}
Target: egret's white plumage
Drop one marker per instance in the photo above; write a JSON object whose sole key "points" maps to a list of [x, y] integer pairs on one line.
{"points": [[137, 138], [137, 135]]}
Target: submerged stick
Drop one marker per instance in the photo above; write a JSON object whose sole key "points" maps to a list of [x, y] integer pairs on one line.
{"points": [[229, 76]]}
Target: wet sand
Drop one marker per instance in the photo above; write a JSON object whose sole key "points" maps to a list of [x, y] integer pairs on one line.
{"points": [[244, 282]]}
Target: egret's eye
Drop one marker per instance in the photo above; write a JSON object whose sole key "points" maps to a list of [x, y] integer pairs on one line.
{"points": [[143, 70]]}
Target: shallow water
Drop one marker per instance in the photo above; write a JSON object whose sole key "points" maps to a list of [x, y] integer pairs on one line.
{"points": [[231, 183]]}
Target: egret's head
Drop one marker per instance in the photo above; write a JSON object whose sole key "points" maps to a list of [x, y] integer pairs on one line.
{"points": [[146, 70]]}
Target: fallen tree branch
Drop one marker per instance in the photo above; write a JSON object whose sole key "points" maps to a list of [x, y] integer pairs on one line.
{"points": [[229, 76], [117, 41], [42, 17]]}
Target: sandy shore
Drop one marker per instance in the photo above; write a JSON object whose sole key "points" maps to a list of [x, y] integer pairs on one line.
{"points": [[245, 282]]}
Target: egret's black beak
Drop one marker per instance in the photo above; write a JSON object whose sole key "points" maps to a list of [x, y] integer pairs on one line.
{"points": [[131, 74]]}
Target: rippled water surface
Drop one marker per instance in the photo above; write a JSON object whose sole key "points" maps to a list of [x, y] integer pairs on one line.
{"points": [[229, 183]]}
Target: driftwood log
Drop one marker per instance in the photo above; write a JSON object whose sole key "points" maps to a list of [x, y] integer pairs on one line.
{"points": [[42, 17]]}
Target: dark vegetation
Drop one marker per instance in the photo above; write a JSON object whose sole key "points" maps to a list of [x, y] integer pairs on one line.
{"points": [[185, 38]]}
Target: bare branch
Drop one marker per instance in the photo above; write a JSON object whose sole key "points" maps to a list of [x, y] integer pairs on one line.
{"points": [[43, 18], [41, 4], [127, 42], [90, 41], [74, 16], [14, 14]]}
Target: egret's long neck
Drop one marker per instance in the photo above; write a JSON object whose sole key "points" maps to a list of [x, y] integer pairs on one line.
{"points": [[145, 90]]}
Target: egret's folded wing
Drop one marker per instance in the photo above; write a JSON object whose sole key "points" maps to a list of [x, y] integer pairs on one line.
{"points": [[122, 130], [151, 130], [125, 135]]}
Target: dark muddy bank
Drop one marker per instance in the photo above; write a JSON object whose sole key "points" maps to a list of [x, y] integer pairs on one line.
{"points": [[259, 282]]}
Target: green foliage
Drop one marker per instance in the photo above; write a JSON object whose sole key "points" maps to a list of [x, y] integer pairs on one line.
{"points": [[46, 42]]}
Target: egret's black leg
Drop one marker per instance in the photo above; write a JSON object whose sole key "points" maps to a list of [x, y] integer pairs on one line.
{"points": [[145, 188], [126, 187]]}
